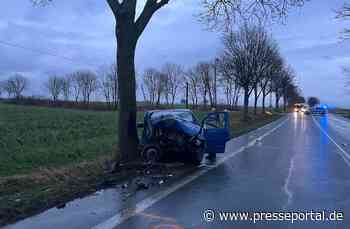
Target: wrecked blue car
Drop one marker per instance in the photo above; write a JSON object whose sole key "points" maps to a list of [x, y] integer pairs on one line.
{"points": [[178, 135]]}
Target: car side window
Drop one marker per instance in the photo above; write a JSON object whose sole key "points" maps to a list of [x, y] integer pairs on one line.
{"points": [[215, 120]]}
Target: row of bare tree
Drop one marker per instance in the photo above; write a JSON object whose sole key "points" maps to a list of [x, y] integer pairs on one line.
{"points": [[76, 86], [251, 60], [250, 65], [81, 85]]}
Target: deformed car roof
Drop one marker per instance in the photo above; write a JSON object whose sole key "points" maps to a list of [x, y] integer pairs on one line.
{"points": [[158, 115]]}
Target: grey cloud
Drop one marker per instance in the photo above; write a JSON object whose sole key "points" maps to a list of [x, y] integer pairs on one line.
{"points": [[83, 31]]}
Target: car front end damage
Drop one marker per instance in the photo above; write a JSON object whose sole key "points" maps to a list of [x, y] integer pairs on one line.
{"points": [[171, 137]]}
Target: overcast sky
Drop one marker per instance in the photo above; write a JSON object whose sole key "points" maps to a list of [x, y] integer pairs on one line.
{"points": [[70, 35]]}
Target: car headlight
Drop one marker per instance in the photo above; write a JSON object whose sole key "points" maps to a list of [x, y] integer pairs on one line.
{"points": [[197, 142]]}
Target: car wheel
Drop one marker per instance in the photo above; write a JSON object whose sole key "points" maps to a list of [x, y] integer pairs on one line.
{"points": [[196, 157], [151, 153]]}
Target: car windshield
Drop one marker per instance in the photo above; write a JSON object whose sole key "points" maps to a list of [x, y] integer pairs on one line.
{"points": [[161, 115]]}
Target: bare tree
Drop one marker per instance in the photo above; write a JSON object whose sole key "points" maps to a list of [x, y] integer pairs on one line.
{"points": [[224, 13], [54, 86], [174, 76], [229, 82], [15, 85], [89, 84], [66, 87], [149, 85], [160, 86], [106, 85], [128, 29], [193, 80], [273, 70], [206, 86], [270, 64], [109, 83], [344, 14], [243, 49], [7, 88], [77, 85], [280, 84], [313, 101], [288, 85]]}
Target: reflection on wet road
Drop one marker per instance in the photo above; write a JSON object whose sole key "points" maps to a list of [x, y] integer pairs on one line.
{"points": [[300, 167], [297, 164]]}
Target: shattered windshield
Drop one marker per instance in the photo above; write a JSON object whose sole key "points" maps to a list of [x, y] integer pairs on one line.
{"points": [[183, 115]]}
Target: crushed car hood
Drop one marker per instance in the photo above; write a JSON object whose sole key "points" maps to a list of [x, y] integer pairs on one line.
{"points": [[180, 125]]}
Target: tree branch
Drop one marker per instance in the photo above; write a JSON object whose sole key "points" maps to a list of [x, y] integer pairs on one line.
{"points": [[150, 8], [114, 5]]}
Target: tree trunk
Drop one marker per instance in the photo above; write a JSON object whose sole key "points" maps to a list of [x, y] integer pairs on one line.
{"points": [[246, 104], [255, 100], [127, 134], [277, 101], [263, 103], [205, 98]]}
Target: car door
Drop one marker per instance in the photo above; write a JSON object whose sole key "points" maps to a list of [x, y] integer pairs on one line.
{"points": [[216, 131]]}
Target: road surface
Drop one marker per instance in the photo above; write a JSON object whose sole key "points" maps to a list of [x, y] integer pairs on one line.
{"points": [[299, 165]]}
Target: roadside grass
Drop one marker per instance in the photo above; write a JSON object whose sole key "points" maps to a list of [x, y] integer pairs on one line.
{"points": [[49, 156], [343, 112], [238, 127]]}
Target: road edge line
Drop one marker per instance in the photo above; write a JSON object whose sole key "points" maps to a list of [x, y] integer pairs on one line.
{"points": [[344, 153]]}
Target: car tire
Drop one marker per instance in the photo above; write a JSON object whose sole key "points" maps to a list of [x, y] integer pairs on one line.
{"points": [[196, 157], [152, 153]]}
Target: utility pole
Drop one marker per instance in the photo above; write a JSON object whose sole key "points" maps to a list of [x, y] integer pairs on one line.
{"points": [[186, 95]]}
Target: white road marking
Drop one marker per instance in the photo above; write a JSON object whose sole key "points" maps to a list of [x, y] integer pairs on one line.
{"points": [[125, 214], [286, 189], [342, 153]]}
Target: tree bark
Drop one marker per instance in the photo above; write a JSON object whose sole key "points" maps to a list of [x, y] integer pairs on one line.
{"points": [[277, 101], [255, 100], [127, 134], [246, 104], [263, 103], [284, 103]]}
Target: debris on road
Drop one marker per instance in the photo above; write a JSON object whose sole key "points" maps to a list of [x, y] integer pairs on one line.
{"points": [[148, 175]]}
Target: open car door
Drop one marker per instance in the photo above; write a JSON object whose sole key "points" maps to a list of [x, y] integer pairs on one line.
{"points": [[216, 131]]}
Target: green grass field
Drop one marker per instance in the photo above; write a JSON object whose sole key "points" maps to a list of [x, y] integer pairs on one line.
{"points": [[34, 137]]}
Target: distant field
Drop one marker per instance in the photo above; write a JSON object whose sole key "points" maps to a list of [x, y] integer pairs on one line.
{"points": [[34, 137]]}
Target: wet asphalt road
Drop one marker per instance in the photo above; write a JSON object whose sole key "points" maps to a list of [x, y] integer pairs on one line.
{"points": [[297, 164], [297, 168]]}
